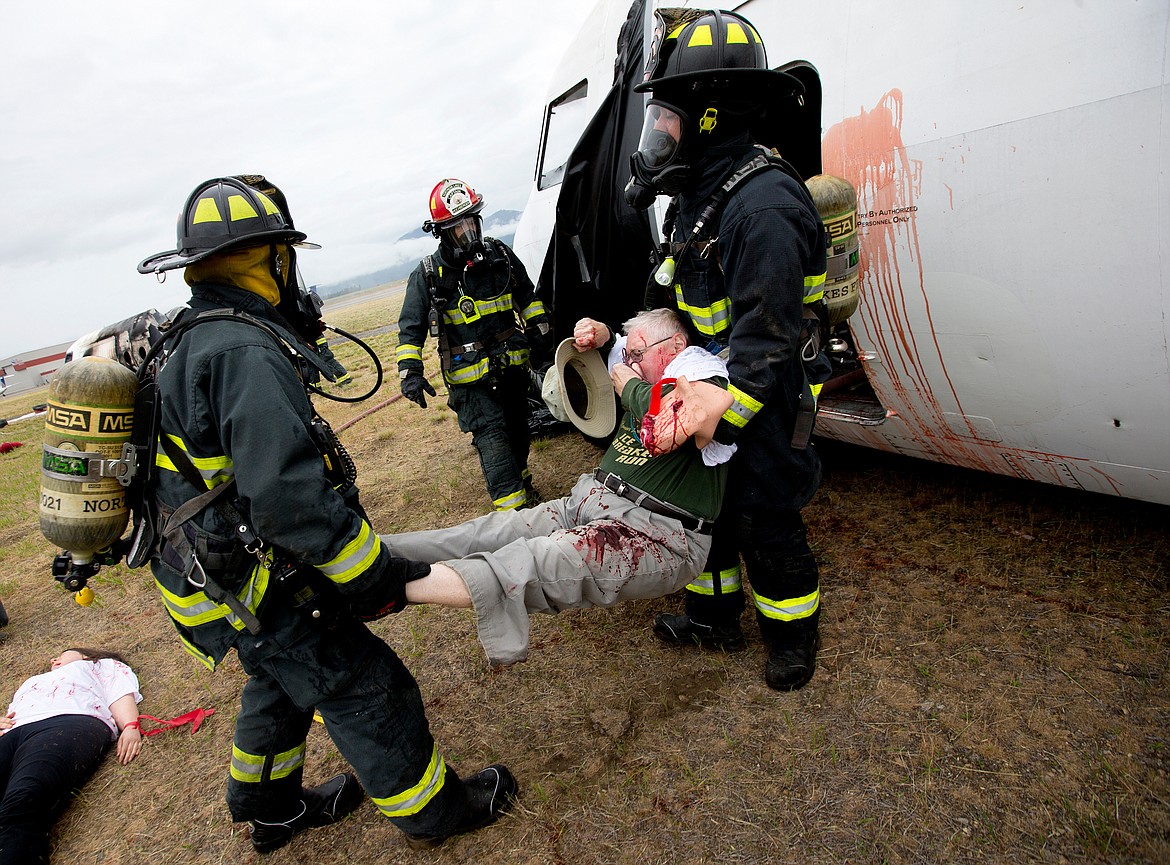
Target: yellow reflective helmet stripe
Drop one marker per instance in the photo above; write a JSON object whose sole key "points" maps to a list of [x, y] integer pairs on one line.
{"points": [[704, 583], [355, 557], [270, 207], [736, 34], [206, 210], [701, 35], [416, 798], [241, 208], [789, 609]]}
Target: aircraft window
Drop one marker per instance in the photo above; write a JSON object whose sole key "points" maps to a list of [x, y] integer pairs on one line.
{"points": [[563, 124]]}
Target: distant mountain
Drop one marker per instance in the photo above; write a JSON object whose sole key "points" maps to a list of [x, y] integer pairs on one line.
{"points": [[492, 225]]}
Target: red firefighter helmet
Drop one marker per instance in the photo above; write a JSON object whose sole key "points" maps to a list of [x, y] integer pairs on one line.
{"points": [[451, 201]]}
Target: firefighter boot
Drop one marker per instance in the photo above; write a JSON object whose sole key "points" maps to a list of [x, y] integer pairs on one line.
{"points": [[319, 806], [790, 667], [489, 794], [685, 631]]}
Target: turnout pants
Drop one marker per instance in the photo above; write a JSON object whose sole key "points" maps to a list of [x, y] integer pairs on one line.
{"points": [[497, 418], [372, 710], [767, 485], [592, 548], [41, 764]]}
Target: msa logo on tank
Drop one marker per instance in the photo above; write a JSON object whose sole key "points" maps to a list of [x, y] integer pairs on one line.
{"points": [[90, 416], [72, 419]]}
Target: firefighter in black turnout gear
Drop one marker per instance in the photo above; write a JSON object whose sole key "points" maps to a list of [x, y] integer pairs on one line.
{"points": [[475, 299], [745, 264], [263, 546]]}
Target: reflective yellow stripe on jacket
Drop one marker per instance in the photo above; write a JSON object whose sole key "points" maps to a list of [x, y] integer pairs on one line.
{"points": [[814, 288], [214, 470], [473, 372], [534, 309], [196, 609], [355, 557], [710, 320], [742, 409], [408, 352], [491, 306]]}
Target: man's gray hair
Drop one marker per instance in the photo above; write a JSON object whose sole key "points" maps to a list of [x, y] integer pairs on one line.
{"points": [[655, 324]]}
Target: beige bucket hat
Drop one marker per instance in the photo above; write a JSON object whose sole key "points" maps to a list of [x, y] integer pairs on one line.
{"points": [[581, 390]]}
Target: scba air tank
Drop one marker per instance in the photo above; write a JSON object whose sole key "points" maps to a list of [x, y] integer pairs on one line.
{"points": [[90, 415], [836, 201]]}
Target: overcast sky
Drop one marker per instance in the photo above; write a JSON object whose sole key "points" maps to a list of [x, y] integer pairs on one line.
{"points": [[111, 114]]}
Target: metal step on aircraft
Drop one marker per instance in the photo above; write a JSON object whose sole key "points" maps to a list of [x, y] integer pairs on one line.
{"points": [[1011, 170]]}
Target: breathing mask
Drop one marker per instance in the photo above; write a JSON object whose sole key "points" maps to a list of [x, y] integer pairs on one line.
{"points": [[465, 239], [659, 165]]}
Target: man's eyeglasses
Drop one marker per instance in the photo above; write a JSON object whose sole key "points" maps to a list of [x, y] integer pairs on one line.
{"points": [[635, 356]]}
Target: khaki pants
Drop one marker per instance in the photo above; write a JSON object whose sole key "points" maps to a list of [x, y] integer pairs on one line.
{"points": [[592, 548]]}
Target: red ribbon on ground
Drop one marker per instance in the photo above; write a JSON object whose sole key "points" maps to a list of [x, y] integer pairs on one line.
{"points": [[194, 718]]}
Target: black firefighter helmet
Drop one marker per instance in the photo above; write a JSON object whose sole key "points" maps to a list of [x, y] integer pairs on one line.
{"points": [[225, 213], [708, 75]]}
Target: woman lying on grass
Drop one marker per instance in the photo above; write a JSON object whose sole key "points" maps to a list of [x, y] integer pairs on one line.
{"points": [[58, 727]]}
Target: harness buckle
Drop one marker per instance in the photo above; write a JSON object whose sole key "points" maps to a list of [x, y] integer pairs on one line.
{"points": [[195, 563]]}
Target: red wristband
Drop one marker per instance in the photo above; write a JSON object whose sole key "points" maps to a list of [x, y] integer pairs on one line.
{"points": [[135, 724]]}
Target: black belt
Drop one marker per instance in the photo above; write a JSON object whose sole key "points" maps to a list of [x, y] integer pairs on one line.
{"points": [[644, 500]]}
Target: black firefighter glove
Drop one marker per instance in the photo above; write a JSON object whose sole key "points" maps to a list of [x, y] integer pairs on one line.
{"points": [[413, 386], [384, 586], [539, 338]]}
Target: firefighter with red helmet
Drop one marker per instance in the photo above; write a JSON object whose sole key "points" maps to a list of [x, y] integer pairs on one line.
{"points": [[745, 264], [474, 298]]}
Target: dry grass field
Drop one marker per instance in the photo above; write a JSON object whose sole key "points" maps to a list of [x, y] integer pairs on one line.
{"points": [[992, 684]]}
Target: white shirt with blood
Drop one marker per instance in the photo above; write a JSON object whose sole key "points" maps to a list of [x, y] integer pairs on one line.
{"points": [[79, 688]]}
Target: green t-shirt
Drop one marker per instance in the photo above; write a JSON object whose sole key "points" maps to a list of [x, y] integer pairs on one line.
{"points": [[679, 478]]}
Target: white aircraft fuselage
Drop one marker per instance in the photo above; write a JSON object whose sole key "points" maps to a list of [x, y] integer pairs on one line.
{"points": [[1011, 168]]}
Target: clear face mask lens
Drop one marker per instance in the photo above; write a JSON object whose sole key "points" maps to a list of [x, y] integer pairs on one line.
{"points": [[660, 136]]}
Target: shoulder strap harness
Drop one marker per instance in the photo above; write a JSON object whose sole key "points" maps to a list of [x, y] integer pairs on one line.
{"points": [[439, 303], [147, 436], [812, 325]]}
